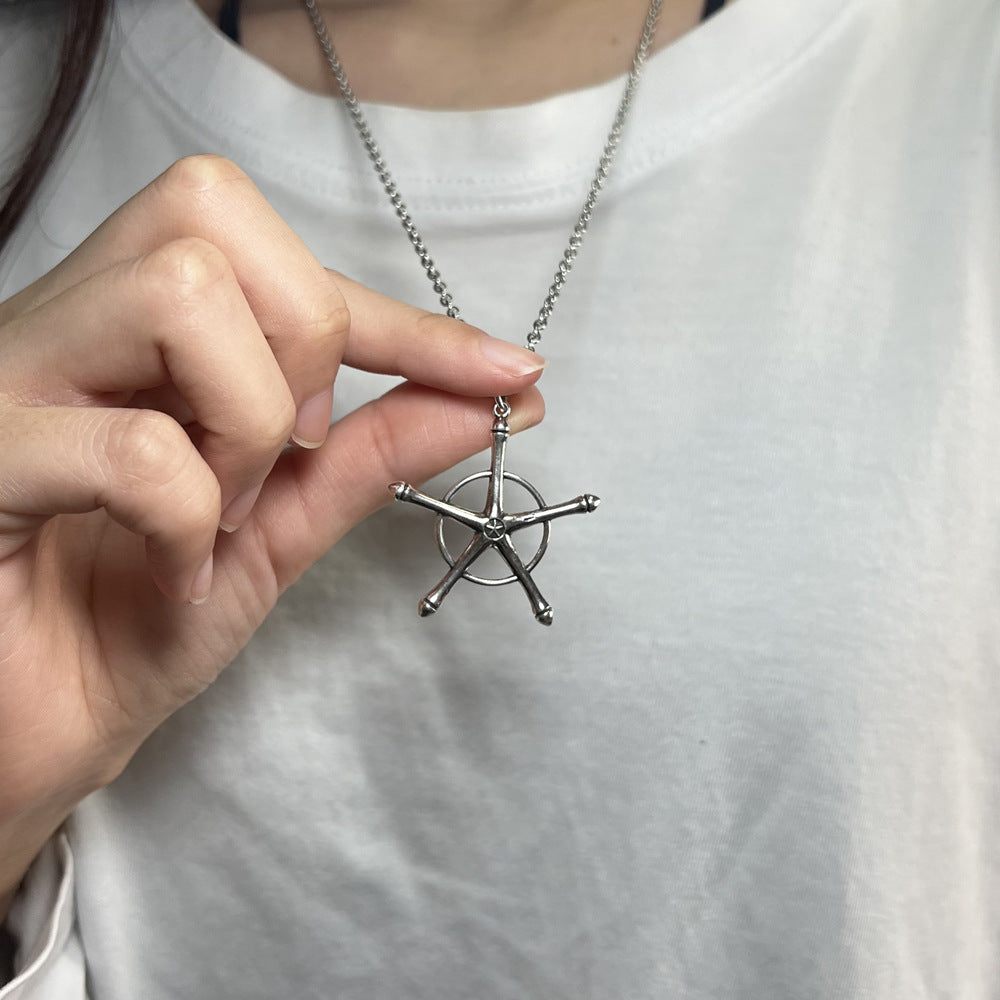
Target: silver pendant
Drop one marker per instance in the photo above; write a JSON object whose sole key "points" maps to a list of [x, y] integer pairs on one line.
{"points": [[493, 527]]}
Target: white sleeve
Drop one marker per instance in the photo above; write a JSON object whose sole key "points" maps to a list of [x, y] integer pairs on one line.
{"points": [[48, 963]]}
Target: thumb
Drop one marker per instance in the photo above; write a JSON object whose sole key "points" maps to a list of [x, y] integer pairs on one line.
{"points": [[412, 433]]}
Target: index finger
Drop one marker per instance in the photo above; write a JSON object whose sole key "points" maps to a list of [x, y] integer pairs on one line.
{"points": [[209, 197], [296, 302], [299, 305], [393, 338]]}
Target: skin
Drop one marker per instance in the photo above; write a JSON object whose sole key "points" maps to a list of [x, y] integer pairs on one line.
{"points": [[457, 54], [150, 513], [149, 517]]}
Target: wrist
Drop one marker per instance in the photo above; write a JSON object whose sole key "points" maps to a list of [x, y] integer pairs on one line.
{"points": [[26, 826], [20, 843]]}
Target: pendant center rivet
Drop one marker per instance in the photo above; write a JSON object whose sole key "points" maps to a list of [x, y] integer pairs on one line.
{"points": [[494, 529]]}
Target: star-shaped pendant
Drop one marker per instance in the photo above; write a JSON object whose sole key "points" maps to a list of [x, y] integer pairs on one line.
{"points": [[493, 527]]}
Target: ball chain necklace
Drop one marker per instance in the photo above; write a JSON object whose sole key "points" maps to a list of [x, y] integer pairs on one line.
{"points": [[493, 525]]}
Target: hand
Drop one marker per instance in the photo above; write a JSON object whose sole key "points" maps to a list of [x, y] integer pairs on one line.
{"points": [[148, 387]]}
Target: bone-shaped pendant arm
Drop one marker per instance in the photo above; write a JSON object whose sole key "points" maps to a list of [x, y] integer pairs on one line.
{"points": [[406, 493], [581, 505]]}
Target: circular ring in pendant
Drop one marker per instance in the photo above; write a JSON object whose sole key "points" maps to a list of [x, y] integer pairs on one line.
{"points": [[487, 581]]}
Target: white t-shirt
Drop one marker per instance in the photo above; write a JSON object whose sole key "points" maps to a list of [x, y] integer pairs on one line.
{"points": [[758, 754]]}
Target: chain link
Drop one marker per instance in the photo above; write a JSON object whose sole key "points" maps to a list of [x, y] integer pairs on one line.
{"points": [[361, 126]]}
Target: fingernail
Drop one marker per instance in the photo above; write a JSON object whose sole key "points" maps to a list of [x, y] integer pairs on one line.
{"points": [[313, 420], [202, 583], [239, 509], [511, 358]]}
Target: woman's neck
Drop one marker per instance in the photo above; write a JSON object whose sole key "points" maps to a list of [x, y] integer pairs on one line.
{"points": [[457, 54]]}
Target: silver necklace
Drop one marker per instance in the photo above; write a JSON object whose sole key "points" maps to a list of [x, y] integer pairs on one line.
{"points": [[492, 526]]}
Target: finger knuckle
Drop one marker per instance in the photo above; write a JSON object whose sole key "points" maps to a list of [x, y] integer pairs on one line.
{"points": [[271, 426], [148, 452], [193, 176], [199, 510], [432, 325], [145, 448], [434, 328], [183, 269], [326, 322], [382, 444]]}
